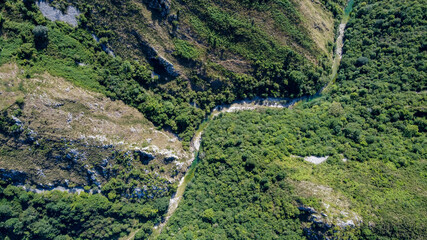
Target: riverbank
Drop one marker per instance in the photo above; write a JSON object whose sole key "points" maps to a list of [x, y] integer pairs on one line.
{"points": [[253, 104]]}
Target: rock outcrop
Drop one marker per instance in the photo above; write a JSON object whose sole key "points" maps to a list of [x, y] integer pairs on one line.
{"points": [[168, 66], [155, 59], [320, 225], [54, 14]]}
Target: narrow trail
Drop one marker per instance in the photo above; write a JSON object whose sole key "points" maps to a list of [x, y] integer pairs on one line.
{"points": [[245, 105]]}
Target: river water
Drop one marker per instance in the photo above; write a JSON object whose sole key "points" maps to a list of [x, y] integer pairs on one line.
{"points": [[254, 104], [242, 105]]}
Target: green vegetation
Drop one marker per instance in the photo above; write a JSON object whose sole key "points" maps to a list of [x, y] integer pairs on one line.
{"points": [[58, 215], [132, 194], [249, 183], [208, 34], [277, 70], [185, 50], [237, 30], [68, 47], [223, 28]]}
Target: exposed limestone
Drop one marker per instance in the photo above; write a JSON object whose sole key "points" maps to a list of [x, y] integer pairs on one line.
{"points": [[104, 47], [340, 40], [334, 212], [316, 160], [168, 66], [54, 14], [153, 55], [84, 130]]}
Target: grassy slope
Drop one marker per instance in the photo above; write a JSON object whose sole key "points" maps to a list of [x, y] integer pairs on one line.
{"points": [[56, 109], [290, 24], [50, 149]]}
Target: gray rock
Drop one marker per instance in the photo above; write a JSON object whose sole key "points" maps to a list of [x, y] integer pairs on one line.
{"points": [[104, 47], [18, 123], [107, 146], [154, 57], [73, 155], [54, 14], [31, 136], [40, 173], [168, 66], [348, 223], [308, 210], [104, 162], [172, 18], [138, 193]]}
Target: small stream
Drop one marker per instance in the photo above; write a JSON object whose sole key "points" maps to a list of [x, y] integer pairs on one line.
{"points": [[70, 17], [253, 104]]}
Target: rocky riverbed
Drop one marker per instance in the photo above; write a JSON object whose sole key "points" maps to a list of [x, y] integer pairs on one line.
{"points": [[246, 105]]}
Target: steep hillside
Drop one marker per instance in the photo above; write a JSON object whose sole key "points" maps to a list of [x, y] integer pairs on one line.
{"points": [[206, 53], [49, 123], [56, 136], [100, 102], [221, 32]]}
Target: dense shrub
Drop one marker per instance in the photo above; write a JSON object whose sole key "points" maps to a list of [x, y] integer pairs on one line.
{"points": [[372, 118]]}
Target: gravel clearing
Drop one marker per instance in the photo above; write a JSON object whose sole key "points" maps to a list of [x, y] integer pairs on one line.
{"points": [[316, 160]]}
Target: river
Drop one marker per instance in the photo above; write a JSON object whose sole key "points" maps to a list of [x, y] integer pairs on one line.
{"points": [[251, 104]]}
